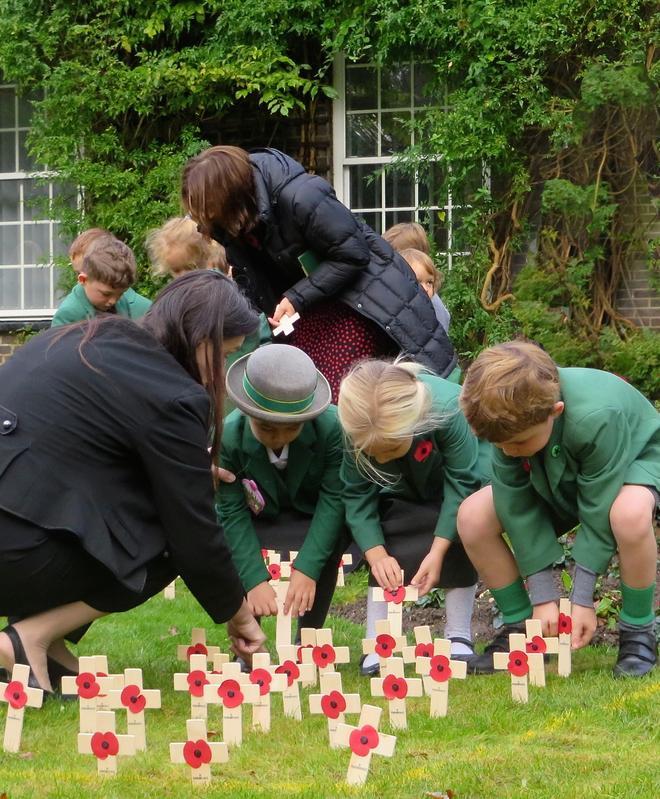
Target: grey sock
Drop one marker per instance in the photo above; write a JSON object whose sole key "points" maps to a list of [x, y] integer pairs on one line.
{"points": [[584, 584], [541, 587]]}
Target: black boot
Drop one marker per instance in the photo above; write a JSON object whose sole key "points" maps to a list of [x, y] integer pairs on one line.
{"points": [[638, 651], [483, 664]]}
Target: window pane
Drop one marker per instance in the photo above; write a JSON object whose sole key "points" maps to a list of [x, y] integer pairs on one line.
{"points": [[399, 189], [9, 238], [394, 217], [7, 152], [364, 187], [35, 199], [395, 132], [423, 79], [9, 199], [361, 88], [429, 185], [362, 135], [372, 219], [25, 162], [10, 289], [36, 287], [395, 86], [7, 109], [459, 241], [25, 108], [61, 241], [36, 240], [435, 223]]}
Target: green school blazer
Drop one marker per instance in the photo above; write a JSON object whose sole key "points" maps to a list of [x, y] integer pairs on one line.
{"points": [[607, 436], [313, 485], [75, 307], [446, 465]]}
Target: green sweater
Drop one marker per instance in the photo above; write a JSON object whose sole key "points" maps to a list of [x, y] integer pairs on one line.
{"points": [[75, 307], [310, 484], [608, 435], [446, 465]]}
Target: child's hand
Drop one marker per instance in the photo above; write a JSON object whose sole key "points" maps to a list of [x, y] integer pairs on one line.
{"points": [[300, 596], [262, 600], [384, 567], [548, 613], [428, 573], [584, 626]]}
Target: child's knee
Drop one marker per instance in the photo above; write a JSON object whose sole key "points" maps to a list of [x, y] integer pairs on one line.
{"points": [[476, 519], [630, 521]]}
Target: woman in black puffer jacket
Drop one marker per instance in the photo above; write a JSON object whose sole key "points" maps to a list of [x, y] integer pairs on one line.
{"points": [[295, 248]]}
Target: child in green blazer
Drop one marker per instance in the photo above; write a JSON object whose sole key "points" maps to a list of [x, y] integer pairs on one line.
{"points": [[412, 461], [283, 444], [572, 446], [104, 284]]}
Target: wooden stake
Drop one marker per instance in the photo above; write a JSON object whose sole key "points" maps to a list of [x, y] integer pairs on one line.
{"points": [[265, 677], [384, 644], [333, 703], [18, 696], [91, 686], [194, 682], [286, 324], [437, 671], [105, 744], [423, 645], [564, 665], [135, 700], [364, 741], [198, 753], [169, 592], [231, 691], [197, 646], [346, 560], [395, 600], [324, 655], [516, 662], [537, 647], [296, 675], [395, 687]]}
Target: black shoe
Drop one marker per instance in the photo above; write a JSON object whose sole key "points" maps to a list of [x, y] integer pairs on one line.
{"points": [[467, 657], [21, 657], [483, 664], [369, 671], [55, 673], [638, 653]]}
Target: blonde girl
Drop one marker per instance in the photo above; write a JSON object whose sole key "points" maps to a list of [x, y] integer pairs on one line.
{"points": [[178, 247], [410, 460]]}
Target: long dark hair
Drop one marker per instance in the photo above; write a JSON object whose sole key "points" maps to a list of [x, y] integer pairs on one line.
{"points": [[201, 306]]}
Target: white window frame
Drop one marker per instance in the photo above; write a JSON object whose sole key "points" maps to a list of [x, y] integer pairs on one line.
{"points": [[342, 162], [23, 314]]}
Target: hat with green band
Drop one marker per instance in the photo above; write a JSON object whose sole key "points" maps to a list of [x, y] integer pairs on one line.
{"points": [[278, 383]]}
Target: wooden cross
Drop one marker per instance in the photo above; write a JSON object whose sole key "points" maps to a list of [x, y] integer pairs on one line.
{"points": [[231, 690], [194, 682], [219, 661], [169, 592], [423, 646], [437, 670], [266, 677], [92, 685], [198, 753], [384, 644], [395, 600], [135, 700], [395, 687], [346, 560], [296, 675], [536, 647], [286, 324], [364, 741], [18, 696], [333, 703], [516, 662], [278, 570], [105, 744], [197, 646], [564, 664], [323, 654]]}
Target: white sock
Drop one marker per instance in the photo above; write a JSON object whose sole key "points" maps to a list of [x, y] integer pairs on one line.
{"points": [[376, 611], [459, 603]]}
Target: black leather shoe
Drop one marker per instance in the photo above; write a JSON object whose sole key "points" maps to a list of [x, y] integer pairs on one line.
{"points": [[467, 657], [55, 673], [483, 664], [21, 657], [638, 653], [369, 671]]}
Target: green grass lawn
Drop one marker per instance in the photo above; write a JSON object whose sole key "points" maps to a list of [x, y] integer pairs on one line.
{"points": [[586, 736]]}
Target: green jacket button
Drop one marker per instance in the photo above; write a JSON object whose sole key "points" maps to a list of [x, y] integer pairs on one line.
{"points": [[555, 450]]}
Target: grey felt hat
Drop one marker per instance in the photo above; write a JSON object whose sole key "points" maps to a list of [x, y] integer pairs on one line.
{"points": [[278, 383]]}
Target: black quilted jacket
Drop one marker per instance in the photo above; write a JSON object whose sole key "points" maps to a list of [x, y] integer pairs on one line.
{"points": [[299, 212]]}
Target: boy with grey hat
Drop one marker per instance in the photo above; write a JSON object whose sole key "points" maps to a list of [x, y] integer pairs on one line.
{"points": [[284, 444]]}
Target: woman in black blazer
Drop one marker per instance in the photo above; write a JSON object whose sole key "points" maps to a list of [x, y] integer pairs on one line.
{"points": [[106, 491]]}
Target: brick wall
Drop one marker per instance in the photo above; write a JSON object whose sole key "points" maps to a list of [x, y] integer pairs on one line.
{"points": [[8, 343], [637, 299]]}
